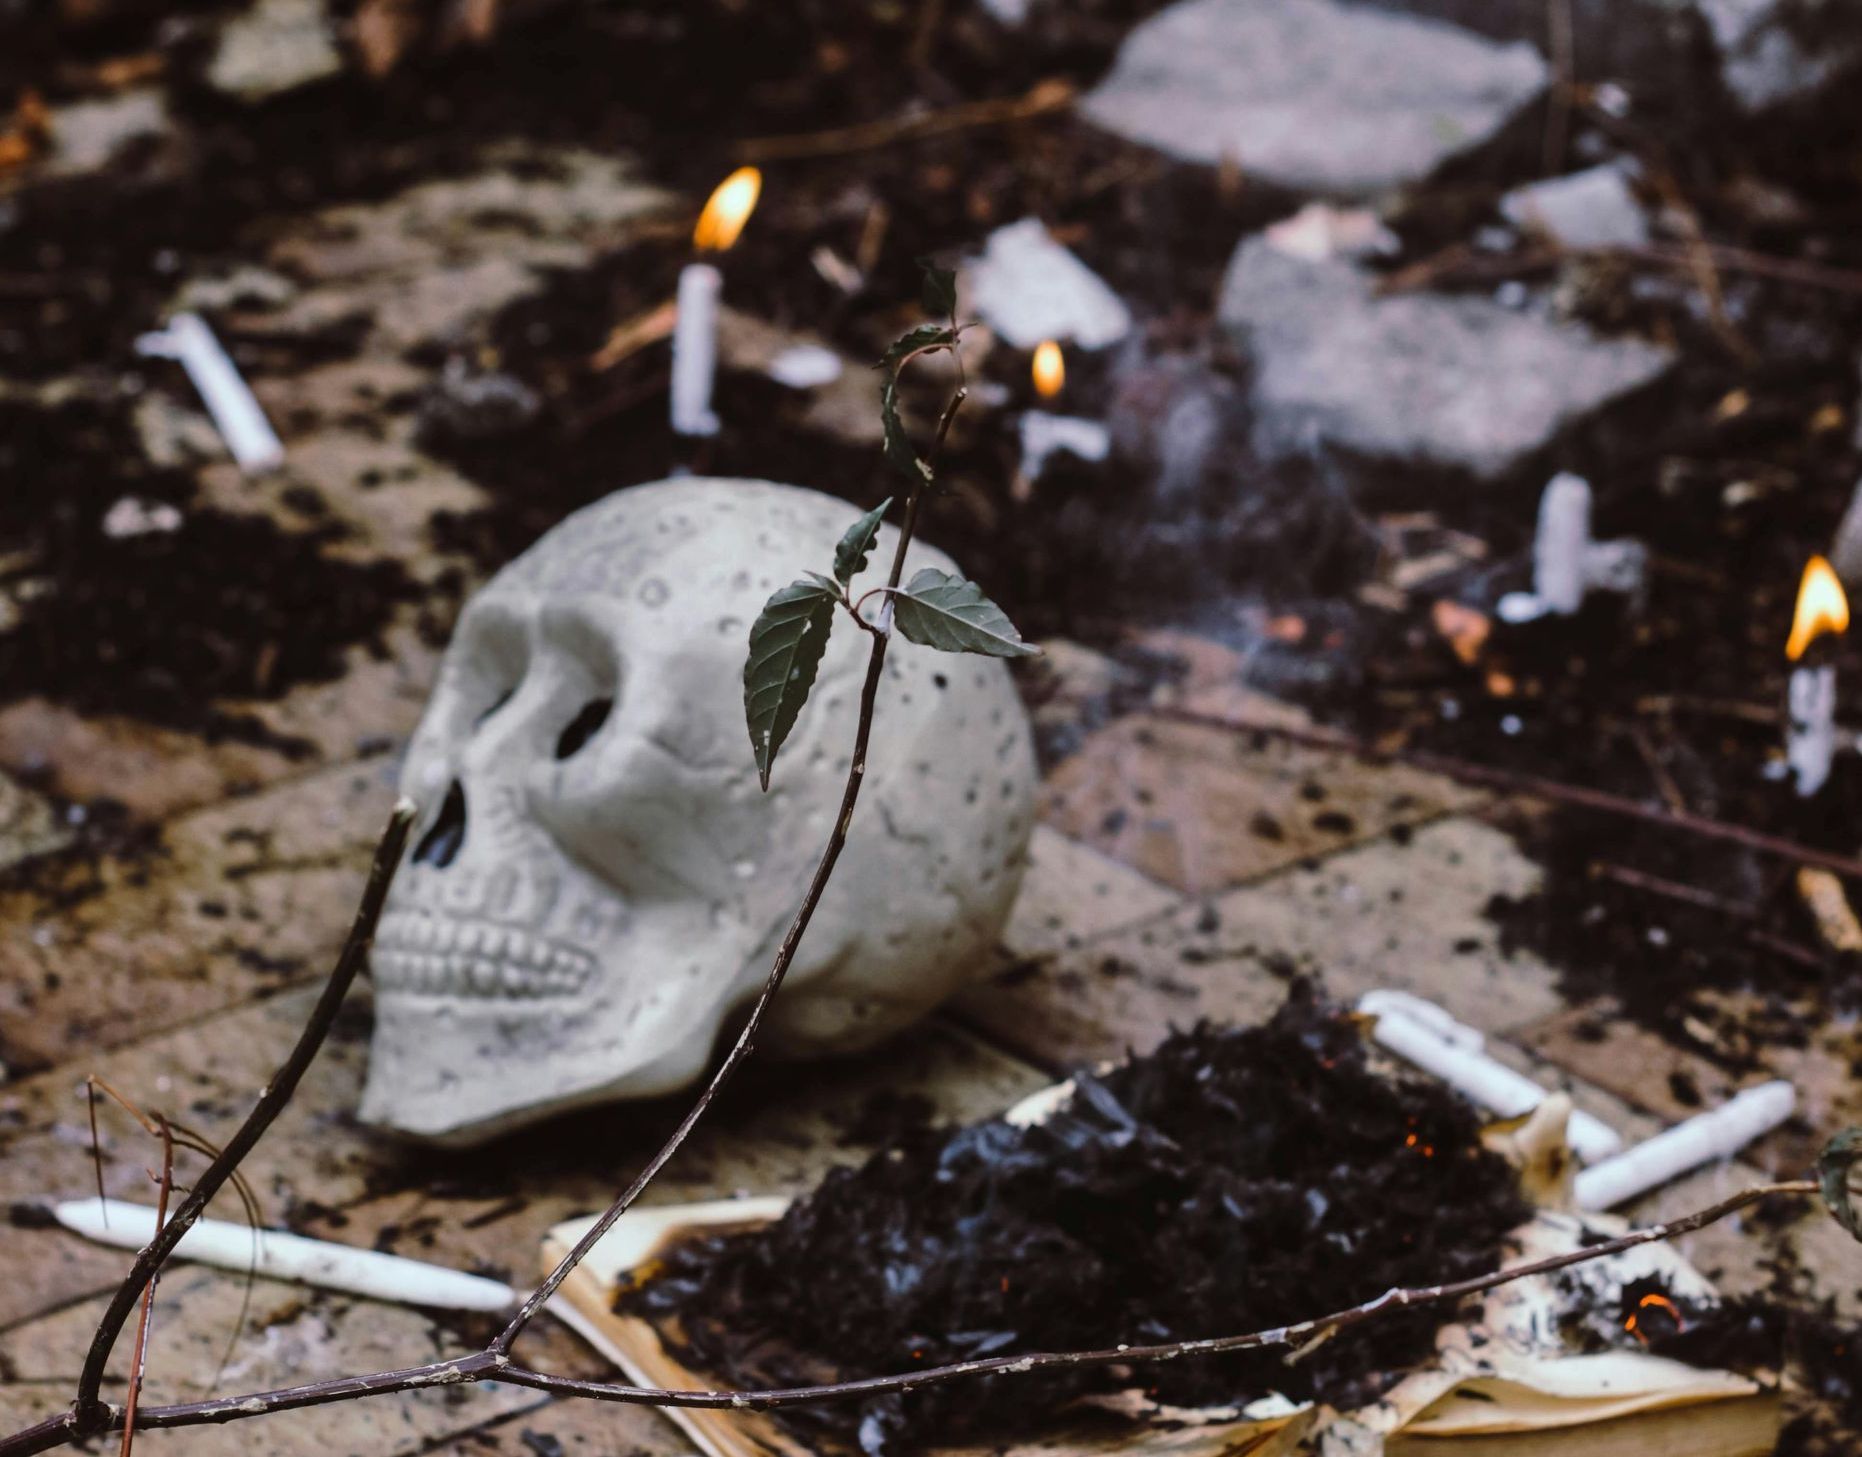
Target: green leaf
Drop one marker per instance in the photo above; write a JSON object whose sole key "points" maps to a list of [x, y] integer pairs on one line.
{"points": [[786, 643], [850, 556], [900, 453], [940, 290], [1840, 1155], [952, 614]]}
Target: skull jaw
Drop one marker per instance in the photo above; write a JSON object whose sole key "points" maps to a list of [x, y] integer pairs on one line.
{"points": [[461, 1074]]}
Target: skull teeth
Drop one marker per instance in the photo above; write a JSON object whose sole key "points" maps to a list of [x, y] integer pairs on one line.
{"points": [[419, 954]]}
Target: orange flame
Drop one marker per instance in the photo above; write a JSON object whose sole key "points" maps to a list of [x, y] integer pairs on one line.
{"points": [[1050, 370], [1821, 607], [727, 210]]}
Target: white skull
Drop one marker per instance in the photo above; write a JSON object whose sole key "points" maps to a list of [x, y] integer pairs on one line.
{"points": [[596, 882]]}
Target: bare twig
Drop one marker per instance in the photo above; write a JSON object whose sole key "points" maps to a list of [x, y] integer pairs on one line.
{"points": [[139, 1355], [1529, 785], [1044, 97], [88, 1409]]}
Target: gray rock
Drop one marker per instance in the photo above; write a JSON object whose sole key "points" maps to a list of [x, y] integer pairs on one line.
{"points": [[276, 46], [1761, 53], [1777, 52], [87, 135], [1412, 383], [1312, 95], [1595, 208]]}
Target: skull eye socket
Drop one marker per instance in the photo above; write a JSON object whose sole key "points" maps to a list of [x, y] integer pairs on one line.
{"points": [[584, 726]]}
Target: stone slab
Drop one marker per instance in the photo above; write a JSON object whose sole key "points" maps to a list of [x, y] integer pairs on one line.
{"points": [[1312, 95], [1201, 809]]}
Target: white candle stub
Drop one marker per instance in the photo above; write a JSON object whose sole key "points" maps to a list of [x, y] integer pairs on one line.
{"points": [[283, 1256], [1044, 434], [1810, 733], [1566, 564], [236, 413], [695, 350], [1716, 1134], [1438, 1044]]}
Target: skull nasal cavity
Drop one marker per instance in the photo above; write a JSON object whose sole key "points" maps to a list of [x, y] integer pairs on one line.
{"points": [[439, 847], [583, 726]]}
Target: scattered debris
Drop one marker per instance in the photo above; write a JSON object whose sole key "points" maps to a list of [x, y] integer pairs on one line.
{"points": [[1595, 208], [1028, 288], [274, 47], [1184, 1193]]}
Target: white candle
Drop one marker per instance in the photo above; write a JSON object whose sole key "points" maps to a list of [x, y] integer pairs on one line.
{"points": [[1810, 733], [1562, 542], [695, 350], [1566, 564], [290, 1257], [1458, 1059], [1719, 1133], [1043, 434], [236, 413]]}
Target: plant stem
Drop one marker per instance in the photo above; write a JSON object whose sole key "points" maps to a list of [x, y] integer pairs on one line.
{"points": [[87, 1410], [495, 1366], [791, 941]]}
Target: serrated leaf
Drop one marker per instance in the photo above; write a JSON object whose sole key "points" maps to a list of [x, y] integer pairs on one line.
{"points": [[850, 556], [939, 293], [786, 643], [952, 615], [915, 341], [901, 454], [1834, 1165]]}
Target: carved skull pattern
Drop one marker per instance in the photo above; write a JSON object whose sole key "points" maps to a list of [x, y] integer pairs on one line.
{"points": [[597, 884]]}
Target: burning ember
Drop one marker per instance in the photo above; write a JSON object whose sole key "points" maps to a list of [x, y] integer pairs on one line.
{"points": [[727, 210], [1654, 1310], [1050, 369]]}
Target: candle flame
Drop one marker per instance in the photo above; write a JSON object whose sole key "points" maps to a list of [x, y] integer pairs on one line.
{"points": [[1821, 607], [1050, 369], [727, 210]]}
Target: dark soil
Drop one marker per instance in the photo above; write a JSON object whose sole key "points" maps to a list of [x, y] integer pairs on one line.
{"points": [[161, 625], [1230, 1180]]}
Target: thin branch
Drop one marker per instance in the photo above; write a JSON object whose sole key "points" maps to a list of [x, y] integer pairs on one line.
{"points": [[139, 1354], [791, 941], [1044, 97], [1529, 785], [491, 1366], [88, 1407]]}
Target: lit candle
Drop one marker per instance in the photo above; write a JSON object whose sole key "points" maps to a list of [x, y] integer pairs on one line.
{"points": [[1042, 433], [695, 335], [1810, 728]]}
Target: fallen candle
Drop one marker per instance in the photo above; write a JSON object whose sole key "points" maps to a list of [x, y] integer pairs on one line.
{"points": [[1810, 724], [695, 331], [236, 413], [1716, 1134], [281, 1256], [1458, 1058]]}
